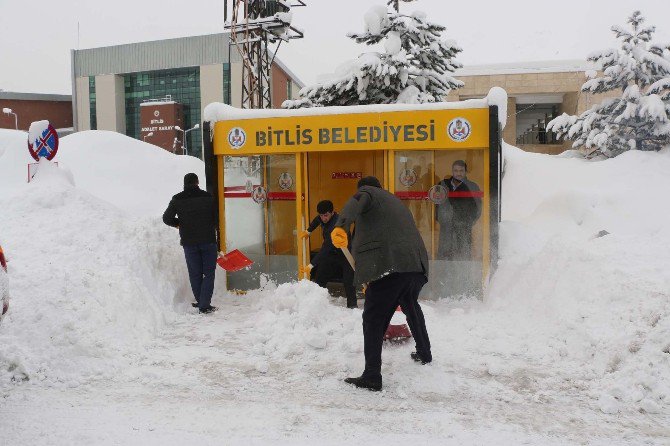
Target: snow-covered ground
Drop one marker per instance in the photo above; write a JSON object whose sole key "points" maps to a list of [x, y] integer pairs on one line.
{"points": [[101, 346]]}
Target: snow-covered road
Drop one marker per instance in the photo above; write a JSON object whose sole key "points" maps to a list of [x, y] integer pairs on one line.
{"points": [[199, 382], [570, 346]]}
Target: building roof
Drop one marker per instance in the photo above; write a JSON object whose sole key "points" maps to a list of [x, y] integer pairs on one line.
{"points": [[181, 52], [542, 66], [15, 96]]}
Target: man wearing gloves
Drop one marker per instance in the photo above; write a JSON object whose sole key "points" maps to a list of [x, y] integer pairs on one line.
{"points": [[330, 261], [391, 258]]}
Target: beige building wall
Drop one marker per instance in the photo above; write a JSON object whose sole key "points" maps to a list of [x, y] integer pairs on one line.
{"points": [[295, 91], [509, 132], [523, 83], [211, 85], [83, 104], [236, 84], [565, 84], [110, 103]]}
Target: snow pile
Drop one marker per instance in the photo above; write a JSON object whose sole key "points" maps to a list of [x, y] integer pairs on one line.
{"points": [[89, 281], [297, 324], [135, 176], [498, 96], [601, 311]]}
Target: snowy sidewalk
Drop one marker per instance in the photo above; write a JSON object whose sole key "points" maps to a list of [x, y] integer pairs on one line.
{"points": [[201, 383]]}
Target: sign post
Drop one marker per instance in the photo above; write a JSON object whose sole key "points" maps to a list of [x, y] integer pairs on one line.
{"points": [[42, 143]]}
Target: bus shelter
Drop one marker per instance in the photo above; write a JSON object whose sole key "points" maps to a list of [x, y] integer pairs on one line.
{"points": [[269, 168]]}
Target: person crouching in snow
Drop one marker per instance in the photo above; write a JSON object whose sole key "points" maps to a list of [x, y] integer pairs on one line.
{"points": [[330, 261], [193, 213], [391, 258]]}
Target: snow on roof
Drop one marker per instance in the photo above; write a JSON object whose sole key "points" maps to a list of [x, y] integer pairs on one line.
{"points": [[217, 111], [545, 66]]}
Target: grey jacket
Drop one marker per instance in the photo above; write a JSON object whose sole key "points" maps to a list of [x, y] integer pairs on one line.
{"points": [[386, 239]]}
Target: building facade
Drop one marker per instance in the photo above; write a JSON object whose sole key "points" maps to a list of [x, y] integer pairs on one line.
{"points": [[537, 93], [109, 85], [29, 107]]}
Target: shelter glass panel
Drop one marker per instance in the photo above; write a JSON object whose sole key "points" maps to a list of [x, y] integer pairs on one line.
{"points": [[260, 217], [443, 190]]}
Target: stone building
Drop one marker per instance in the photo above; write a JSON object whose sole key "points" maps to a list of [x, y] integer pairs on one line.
{"points": [[537, 92]]}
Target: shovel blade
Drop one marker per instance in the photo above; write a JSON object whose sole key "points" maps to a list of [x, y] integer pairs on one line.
{"points": [[234, 261], [397, 332]]}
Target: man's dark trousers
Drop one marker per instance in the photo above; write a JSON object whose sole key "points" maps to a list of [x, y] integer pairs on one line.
{"points": [[201, 264], [382, 297], [329, 267]]}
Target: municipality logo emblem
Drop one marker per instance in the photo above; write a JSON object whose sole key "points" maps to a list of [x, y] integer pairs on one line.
{"points": [[408, 177], [237, 137], [459, 129], [285, 181]]}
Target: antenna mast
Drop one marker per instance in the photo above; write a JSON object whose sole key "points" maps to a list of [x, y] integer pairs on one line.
{"points": [[254, 25]]}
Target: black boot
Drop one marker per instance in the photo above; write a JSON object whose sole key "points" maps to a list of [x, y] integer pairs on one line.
{"points": [[208, 310], [417, 358], [365, 383]]}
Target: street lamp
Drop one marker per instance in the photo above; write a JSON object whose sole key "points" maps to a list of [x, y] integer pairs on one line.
{"points": [[184, 145], [144, 138], [8, 111]]}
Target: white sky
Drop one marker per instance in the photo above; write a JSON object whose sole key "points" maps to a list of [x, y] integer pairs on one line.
{"points": [[36, 36]]}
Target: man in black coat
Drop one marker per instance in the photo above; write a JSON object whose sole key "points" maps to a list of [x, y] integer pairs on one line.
{"points": [[330, 261], [193, 211], [391, 258], [463, 208]]}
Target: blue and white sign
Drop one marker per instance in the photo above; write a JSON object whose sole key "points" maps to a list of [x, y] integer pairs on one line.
{"points": [[42, 140]]}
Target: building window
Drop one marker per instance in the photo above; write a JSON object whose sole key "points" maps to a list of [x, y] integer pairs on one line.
{"points": [[289, 89], [183, 84], [531, 123], [226, 84], [91, 103]]}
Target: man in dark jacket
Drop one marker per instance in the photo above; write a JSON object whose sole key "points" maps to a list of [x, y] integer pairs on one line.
{"points": [[391, 258], [193, 211], [330, 261], [465, 207]]}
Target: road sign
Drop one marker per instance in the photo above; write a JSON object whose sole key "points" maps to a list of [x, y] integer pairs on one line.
{"points": [[42, 140]]}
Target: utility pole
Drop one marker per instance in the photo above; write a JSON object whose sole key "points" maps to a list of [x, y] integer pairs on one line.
{"points": [[254, 25]]}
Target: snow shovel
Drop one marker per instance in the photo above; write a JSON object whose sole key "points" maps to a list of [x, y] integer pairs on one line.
{"points": [[233, 261], [397, 333], [394, 333]]}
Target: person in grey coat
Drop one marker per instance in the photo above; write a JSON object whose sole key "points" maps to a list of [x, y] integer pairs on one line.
{"points": [[391, 258]]}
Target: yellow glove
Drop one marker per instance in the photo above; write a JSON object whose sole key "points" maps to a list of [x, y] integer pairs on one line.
{"points": [[304, 234], [339, 238]]}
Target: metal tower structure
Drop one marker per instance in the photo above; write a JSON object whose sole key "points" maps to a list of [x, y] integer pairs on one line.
{"points": [[254, 26]]}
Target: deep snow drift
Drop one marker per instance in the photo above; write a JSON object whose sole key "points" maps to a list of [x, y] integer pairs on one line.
{"points": [[93, 271], [570, 346]]}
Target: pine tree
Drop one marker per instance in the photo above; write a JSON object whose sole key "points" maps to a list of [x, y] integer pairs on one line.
{"points": [[639, 118], [415, 66]]}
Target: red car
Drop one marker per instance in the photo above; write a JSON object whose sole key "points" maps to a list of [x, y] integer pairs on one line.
{"points": [[4, 285]]}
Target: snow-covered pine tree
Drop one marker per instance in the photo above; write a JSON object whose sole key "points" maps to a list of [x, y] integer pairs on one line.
{"points": [[639, 118], [415, 66]]}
